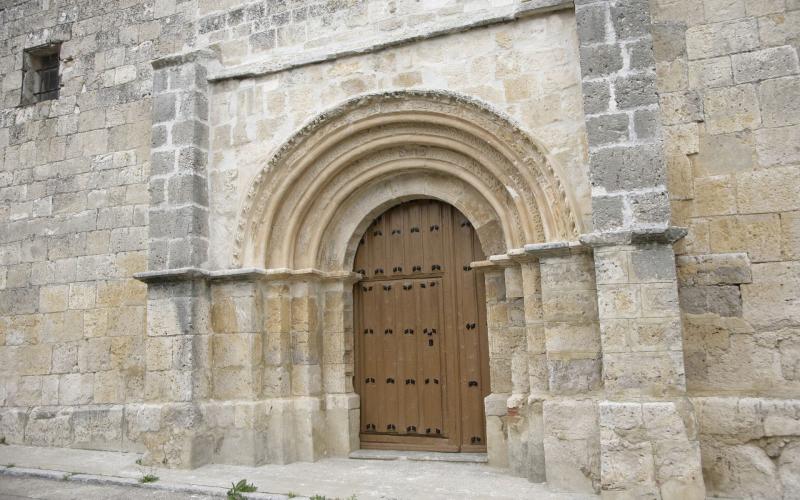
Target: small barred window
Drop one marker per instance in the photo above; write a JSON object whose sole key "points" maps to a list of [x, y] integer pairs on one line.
{"points": [[40, 78]]}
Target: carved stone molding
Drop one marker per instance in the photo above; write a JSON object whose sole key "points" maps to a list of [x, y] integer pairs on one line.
{"points": [[358, 159]]}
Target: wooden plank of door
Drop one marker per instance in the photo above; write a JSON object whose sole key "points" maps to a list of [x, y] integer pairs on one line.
{"points": [[370, 313], [413, 231], [388, 356], [358, 341], [409, 411], [430, 347], [362, 261], [377, 244], [469, 337], [449, 351], [395, 222], [432, 240], [480, 287]]}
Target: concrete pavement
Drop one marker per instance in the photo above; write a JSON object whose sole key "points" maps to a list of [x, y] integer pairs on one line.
{"points": [[388, 478]]}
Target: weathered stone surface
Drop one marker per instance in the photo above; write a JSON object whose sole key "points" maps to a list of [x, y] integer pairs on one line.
{"points": [[765, 64], [86, 200], [762, 193], [750, 233], [724, 153], [717, 39], [731, 109], [720, 269], [617, 168], [770, 300], [777, 146], [710, 73], [779, 101]]}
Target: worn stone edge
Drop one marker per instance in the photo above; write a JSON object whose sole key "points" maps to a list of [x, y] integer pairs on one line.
{"points": [[530, 252], [55, 475], [637, 236], [264, 68], [394, 455], [242, 274], [183, 58]]}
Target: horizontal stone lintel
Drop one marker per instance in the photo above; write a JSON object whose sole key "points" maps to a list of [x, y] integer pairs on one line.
{"points": [[242, 274], [531, 252], [634, 236], [291, 61], [183, 58]]}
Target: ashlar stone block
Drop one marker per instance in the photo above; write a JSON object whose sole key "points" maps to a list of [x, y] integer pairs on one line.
{"points": [[718, 39], [731, 109], [776, 146], [780, 101], [764, 64]]}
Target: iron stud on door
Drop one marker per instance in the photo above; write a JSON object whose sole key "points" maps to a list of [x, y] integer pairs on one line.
{"points": [[430, 414]]}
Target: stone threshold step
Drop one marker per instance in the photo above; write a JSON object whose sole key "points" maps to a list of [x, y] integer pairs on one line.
{"points": [[420, 456]]}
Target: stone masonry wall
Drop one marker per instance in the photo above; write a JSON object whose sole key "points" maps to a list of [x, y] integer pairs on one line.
{"points": [[719, 101], [73, 216], [527, 69], [729, 89]]}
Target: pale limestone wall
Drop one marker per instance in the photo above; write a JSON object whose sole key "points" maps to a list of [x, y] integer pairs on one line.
{"points": [[527, 69], [589, 384], [729, 84], [73, 216]]}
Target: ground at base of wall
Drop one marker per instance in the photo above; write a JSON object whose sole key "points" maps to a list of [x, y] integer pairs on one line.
{"points": [[329, 478], [26, 487]]}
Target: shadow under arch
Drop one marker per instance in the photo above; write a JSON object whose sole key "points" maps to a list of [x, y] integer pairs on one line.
{"points": [[310, 203]]}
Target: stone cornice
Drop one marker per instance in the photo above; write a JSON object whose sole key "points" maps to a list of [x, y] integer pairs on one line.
{"points": [[636, 236], [292, 61], [183, 58], [531, 252], [243, 274]]}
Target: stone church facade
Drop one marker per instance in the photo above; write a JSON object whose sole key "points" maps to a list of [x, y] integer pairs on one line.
{"points": [[184, 227]]}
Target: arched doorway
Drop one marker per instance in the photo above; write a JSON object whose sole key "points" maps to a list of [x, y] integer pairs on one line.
{"points": [[421, 347]]}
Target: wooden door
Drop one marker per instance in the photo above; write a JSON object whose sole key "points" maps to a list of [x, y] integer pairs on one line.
{"points": [[422, 364]]}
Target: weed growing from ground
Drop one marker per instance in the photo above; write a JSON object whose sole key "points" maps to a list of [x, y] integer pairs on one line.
{"points": [[235, 493]]}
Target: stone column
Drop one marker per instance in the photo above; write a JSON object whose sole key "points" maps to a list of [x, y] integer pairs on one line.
{"points": [[537, 368], [627, 171], [499, 364], [177, 370], [277, 365], [341, 402], [571, 343], [648, 443], [177, 365], [178, 215], [306, 349], [514, 344], [648, 438], [517, 365]]}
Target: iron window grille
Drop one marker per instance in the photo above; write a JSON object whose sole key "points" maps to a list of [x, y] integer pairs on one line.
{"points": [[40, 74]]}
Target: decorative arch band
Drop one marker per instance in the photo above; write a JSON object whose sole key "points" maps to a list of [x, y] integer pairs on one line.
{"points": [[319, 191]]}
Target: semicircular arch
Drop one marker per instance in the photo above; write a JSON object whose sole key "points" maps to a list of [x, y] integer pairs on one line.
{"points": [[354, 161]]}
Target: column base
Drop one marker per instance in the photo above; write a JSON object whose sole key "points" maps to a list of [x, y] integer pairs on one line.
{"points": [[649, 450]]}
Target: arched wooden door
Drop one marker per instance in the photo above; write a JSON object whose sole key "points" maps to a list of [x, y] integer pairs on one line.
{"points": [[422, 364]]}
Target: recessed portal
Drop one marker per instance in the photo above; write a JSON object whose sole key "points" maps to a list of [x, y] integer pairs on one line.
{"points": [[422, 364]]}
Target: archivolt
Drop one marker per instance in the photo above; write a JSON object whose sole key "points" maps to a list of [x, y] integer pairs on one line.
{"points": [[316, 194]]}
